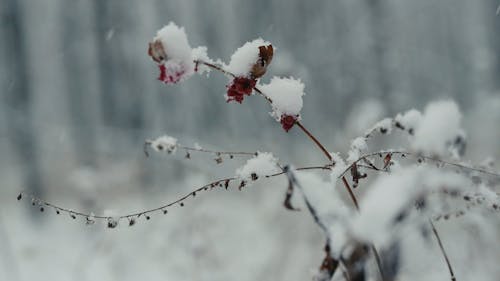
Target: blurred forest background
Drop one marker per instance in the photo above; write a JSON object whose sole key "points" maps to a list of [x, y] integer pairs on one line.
{"points": [[79, 96]]}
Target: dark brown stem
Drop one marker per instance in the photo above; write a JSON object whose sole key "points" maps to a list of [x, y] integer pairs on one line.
{"points": [[434, 230], [221, 183], [216, 67], [315, 140], [351, 194]]}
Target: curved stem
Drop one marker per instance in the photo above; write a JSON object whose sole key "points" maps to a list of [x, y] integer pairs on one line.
{"points": [[450, 269], [315, 140], [221, 183]]}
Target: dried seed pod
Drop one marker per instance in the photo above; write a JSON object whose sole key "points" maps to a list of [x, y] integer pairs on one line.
{"points": [[218, 160], [89, 221], [265, 58], [156, 51], [242, 184], [112, 223]]}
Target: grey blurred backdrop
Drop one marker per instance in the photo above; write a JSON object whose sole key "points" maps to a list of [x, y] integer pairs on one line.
{"points": [[79, 94]]}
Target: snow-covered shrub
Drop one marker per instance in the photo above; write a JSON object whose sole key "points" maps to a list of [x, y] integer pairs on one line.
{"points": [[405, 191]]}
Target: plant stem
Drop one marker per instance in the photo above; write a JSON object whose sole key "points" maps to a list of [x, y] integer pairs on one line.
{"points": [[434, 230], [318, 144], [315, 140]]}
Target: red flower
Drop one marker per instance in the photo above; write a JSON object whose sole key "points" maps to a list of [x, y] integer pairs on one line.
{"points": [[171, 75], [287, 121], [239, 87]]}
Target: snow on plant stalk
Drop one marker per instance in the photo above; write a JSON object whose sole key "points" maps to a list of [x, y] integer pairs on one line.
{"points": [[286, 95], [438, 128], [248, 63], [171, 50], [165, 144], [263, 164]]}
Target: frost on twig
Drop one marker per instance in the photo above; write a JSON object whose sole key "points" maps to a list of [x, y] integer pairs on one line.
{"points": [[170, 145], [261, 165]]}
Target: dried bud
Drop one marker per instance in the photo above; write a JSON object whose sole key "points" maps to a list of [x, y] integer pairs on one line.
{"points": [[89, 221], [157, 52], [218, 160], [265, 58], [112, 223]]}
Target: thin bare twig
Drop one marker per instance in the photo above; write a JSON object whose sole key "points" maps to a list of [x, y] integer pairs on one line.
{"points": [[221, 183], [148, 144], [450, 269], [406, 153]]}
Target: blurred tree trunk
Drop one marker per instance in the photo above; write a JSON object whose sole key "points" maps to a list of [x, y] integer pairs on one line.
{"points": [[82, 130], [120, 88], [18, 98]]}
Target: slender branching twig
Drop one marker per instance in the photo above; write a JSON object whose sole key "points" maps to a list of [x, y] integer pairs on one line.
{"points": [[221, 183], [418, 156], [148, 143]]}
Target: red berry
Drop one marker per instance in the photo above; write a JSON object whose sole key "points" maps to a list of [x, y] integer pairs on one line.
{"points": [[239, 87], [171, 75], [287, 121]]}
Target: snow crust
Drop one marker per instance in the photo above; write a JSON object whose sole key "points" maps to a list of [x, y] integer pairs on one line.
{"points": [[180, 57], [245, 57], [165, 144], [358, 145], [439, 126], [410, 119], [286, 94], [391, 195], [261, 165]]}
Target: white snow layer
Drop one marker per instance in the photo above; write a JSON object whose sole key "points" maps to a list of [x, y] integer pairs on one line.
{"points": [[165, 144], [261, 165], [180, 56], [391, 195], [439, 126], [286, 94], [245, 57], [358, 145], [200, 53], [175, 43], [410, 119]]}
